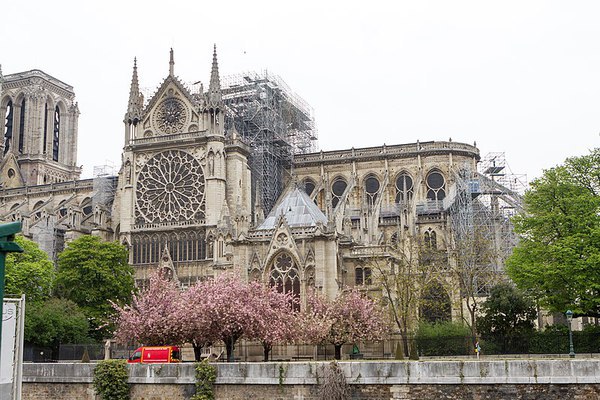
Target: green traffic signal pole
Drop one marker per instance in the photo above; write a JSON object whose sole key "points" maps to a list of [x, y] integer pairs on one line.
{"points": [[7, 245]]}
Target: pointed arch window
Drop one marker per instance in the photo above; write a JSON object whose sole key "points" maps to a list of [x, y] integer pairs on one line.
{"points": [[22, 127], [44, 145], [404, 188], [8, 126], [372, 189], [56, 136], [309, 186], [430, 239], [337, 191], [436, 186], [284, 276]]}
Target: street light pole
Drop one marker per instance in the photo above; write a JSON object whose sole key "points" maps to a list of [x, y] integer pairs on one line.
{"points": [[569, 314]]}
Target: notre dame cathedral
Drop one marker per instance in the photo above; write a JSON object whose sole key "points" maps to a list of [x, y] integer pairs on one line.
{"points": [[199, 191]]}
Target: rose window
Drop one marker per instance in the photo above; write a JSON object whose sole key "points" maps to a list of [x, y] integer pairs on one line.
{"points": [[170, 116], [170, 187]]}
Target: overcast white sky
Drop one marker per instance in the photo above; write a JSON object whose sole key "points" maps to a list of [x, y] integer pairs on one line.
{"points": [[520, 77]]}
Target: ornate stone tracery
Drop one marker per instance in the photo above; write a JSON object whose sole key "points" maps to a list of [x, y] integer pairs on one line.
{"points": [[170, 188], [284, 275], [170, 116]]}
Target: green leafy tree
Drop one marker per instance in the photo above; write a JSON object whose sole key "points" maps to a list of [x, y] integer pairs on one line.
{"points": [[30, 273], [93, 273], [507, 311], [52, 322], [558, 257]]}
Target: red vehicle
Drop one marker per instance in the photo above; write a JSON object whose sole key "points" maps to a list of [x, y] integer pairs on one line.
{"points": [[155, 354]]}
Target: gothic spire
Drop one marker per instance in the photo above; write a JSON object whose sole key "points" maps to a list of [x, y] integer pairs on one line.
{"points": [[134, 108], [214, 89], [171, 64]]}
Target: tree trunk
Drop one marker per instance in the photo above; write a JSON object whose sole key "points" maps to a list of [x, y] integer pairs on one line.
{"points": [[338, 351], [230, 346], [197, 352], [266, 350], [405, 344]]}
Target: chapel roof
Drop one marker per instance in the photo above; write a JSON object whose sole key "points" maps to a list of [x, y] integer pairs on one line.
{"points": [[298, 210]]}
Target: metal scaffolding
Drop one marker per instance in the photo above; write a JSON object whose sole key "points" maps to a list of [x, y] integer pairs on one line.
{"points": [[275, 122], [479, 206], [103, 185]]}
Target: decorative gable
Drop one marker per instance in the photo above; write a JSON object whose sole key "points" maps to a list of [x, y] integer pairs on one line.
{"points": [[10, 173], [172, 110]]}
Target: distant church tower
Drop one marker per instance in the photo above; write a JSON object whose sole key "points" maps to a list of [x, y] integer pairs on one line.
{"points": [[39, 130], [180, 177]]}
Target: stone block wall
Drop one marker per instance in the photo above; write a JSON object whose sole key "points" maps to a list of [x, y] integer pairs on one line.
{"points": [[404, 380]]}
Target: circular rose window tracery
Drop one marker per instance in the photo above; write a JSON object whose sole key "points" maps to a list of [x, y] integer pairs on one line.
{"points": [[170, 116], [170, 187]]}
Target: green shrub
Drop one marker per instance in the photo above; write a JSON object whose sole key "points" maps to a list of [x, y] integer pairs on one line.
{"points": [[110, 380], [443, 339], [206, 375]]}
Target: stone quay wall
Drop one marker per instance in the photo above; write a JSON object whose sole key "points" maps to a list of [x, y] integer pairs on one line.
{"points": [[407, 380]]}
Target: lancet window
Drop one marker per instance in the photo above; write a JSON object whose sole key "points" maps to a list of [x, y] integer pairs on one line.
{"points": [[8, 126], [183, 247], [44, 145], [56, 136], [430, 239], [22, 127]]}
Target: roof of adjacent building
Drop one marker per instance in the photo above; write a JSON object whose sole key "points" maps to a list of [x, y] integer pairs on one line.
{"points": [[298, 210]]}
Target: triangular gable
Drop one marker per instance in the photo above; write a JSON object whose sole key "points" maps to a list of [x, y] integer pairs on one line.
{"points": [[283, 240], [162, 89], [166, 266], [10, 173]]}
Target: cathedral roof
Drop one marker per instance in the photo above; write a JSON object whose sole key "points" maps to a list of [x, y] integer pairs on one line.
{"points": [[298, 210]]}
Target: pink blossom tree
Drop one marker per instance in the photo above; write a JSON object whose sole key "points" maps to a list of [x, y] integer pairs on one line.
{"points": [[349, 318], [223, 309], [198, 328], [154, 316], [277, 318]]}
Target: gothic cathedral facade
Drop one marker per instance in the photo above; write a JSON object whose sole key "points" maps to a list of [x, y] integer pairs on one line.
{"points": [[183, 198]]}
